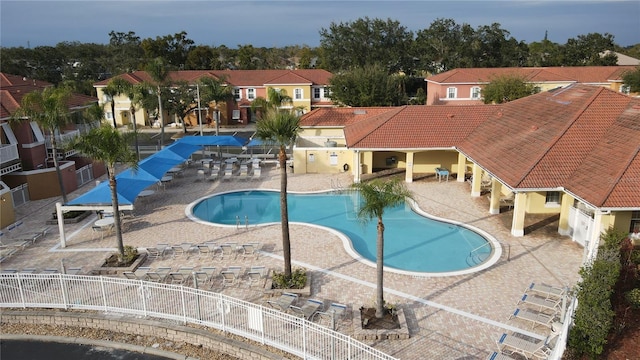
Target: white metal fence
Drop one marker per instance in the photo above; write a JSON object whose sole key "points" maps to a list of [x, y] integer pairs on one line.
{"points": [[84, 174], [187, 305], [20, 194]]}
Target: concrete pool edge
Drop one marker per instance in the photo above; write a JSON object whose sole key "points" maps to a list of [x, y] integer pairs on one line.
{"points": [[496, 248]]}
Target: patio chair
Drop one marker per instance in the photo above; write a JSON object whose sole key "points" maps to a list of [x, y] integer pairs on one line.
{"points": [[130, 275], [154, 276], [335, 312], [228, 173], [6, 252], [250, 250], [512, 344], [257, 173], [200, 278], [534, 317], [230, 275], [546, 290], [177, 251], [205, 250], [154, 253], [228, 249], [543, 303], [177, 278], [499, 356], [283, 302], [307, 310], [256, 274]]}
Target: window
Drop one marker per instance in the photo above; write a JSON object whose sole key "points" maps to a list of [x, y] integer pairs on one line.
{"points": [[297, 94], [552, 198], [327, 92], [251, 94], [635, 222], [235, 115], [475, 92], [237, 93], [316, 93], [452, 93], [625, 89]]}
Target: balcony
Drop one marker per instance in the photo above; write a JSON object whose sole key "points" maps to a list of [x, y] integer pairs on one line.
{"points": [[60, 140], [9, 158]]}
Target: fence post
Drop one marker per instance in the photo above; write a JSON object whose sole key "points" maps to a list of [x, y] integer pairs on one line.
{"points": [[63, 288], [184, 305], [195, 285], [24, 304], [104, 293], [304, 339], [144, 298]]}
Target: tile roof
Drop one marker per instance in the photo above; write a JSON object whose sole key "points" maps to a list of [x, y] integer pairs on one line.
{"points": [[580, 74], [240, 78], [581, 138], [13, 88], [414, 127], [339, 117]]}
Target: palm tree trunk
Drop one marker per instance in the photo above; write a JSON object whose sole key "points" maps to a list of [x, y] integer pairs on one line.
{"points": [[116, 211], [113, 113], [135, 131], [56, 164], [161, 118], [379, 270], [284, 212]]}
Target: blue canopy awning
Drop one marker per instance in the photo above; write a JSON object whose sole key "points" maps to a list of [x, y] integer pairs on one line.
{"points": [[130, 182]]}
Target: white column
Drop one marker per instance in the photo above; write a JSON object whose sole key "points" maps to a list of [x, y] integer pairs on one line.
{"points": [[519, 207], [358, 164], [63, 240], [409, 173], [462, 167]]}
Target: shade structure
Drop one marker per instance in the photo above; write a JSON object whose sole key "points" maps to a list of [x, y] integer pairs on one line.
{"points": [[130, 182]]}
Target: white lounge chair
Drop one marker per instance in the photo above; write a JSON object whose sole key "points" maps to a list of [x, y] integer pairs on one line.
{"points": [[535, 317], [546, 290], [250, 250], [543, 303], [308, 309], [511, 344], [283, 302]]}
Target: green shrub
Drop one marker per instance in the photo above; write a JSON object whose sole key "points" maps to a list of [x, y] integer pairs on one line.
{"points": [[298, 280], [130, 254], [633, 297], [593, 318]]}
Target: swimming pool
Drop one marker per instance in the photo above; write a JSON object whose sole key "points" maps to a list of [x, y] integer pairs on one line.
{"points": [[414, 243]]}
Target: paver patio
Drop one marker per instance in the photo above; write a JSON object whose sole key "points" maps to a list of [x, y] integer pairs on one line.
{"points": [[448, 317]]}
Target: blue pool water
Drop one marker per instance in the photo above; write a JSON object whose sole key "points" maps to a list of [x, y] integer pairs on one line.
{"points": [[412, 242]]}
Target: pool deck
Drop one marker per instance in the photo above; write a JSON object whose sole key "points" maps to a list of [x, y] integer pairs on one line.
{"points": [[448, 317]]}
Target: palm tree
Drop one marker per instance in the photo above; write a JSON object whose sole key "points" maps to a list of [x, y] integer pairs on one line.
{"points": [[115, 87], [281, 128], [49, 108], [378, 195], [137, 95], [159, 72], [276, 98], [111, 146], [214, 90]]}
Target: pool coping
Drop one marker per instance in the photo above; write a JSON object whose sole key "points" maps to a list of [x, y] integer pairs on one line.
{"points": [[496, 247]]}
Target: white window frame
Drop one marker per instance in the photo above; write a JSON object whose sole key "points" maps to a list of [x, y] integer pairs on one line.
{"points": [[552, 199], [452, 90], [251, 93], [317, 93], [625, 89], [298, 94], [237, 93], [476, 93]]}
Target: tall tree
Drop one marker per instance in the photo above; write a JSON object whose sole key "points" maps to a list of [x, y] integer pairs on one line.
{"points": [[281, 128], [111, 146], [159, 72], [632, 79], [276, 98], [437, 47], [174, 49], [588, 50], [138, 94], [365, 42], [377, 195], [49, 108], [506, 88], [368, 86]]}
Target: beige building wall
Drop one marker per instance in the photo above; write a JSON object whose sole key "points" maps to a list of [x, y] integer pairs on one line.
{"points": [[536, 204], [322, 160], [316, 137]]}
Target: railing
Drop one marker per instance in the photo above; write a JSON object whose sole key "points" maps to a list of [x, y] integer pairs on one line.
{"points": [[187, 305], [8, 152], [62, 138], [84, 174], [20, 194]]}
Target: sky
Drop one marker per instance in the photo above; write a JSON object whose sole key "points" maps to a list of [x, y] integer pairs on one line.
{"points": [[269, 23]]}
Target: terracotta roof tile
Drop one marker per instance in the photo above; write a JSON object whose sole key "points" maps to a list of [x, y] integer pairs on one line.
{"points": [[239, 78], [580, 74]]}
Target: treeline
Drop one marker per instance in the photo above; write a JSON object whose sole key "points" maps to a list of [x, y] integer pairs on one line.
{"points": [[444, 45]]}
